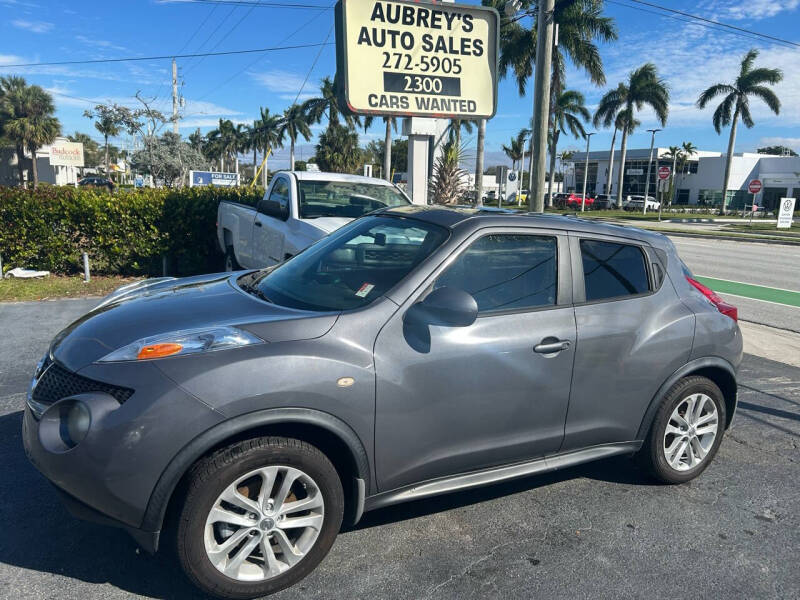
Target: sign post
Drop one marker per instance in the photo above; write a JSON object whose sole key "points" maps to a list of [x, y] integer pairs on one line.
{"points": [[416, 59], [786, 213], [754, 188], [663, 176]]}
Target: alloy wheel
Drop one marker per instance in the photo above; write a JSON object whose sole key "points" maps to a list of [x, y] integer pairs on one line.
{"points": [[264, 523], [690, 432]]}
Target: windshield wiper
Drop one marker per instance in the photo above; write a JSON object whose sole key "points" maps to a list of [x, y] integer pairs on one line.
{"points": [[250, 288]]}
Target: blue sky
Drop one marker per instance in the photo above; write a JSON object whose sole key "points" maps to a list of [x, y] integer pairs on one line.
{"points": [[690, 57]]}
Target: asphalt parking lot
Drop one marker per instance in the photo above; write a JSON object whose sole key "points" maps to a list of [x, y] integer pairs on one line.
{"points": [[598, 531]]}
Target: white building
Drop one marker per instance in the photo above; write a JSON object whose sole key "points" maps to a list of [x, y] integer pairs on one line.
{"points": [[700, 183], [52, 174]]}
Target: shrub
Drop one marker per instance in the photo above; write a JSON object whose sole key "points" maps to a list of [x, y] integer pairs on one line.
{"points": [[125, 233]]}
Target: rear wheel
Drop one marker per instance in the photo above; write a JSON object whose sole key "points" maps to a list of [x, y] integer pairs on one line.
{"points": [[686, 431], [259, 516]]}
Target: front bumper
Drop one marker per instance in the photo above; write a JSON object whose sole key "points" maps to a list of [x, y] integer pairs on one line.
{"points": [[109, 476]]}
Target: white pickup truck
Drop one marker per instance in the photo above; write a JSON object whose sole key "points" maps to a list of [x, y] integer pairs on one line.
{"points": [[298, 208]]}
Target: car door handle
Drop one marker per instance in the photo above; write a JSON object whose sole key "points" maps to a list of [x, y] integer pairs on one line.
{"points": [[551, 346], [258, 224]]}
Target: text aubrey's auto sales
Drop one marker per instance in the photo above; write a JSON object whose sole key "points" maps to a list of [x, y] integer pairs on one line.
{"points": [[417, 59]]}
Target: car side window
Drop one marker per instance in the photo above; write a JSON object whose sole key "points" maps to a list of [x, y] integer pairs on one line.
{"points": [[506, 272], [277, 204], [612, 270]]}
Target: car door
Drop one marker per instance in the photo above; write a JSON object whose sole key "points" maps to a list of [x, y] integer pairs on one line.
{"points": [[633, 333], [456, 399], [269, 225]]}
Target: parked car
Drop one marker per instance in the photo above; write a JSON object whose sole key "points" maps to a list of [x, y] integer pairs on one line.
{"points": [[605, 202], [576, 201], [560, 200], [637, 203], [97, 182], [298, 208], [416, 351]]}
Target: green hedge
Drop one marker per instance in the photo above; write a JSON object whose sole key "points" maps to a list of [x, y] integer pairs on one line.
{"points": [[126, 233]]}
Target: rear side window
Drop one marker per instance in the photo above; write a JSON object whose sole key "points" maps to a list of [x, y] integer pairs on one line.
{"points": [[506, 272], [613, 270]]}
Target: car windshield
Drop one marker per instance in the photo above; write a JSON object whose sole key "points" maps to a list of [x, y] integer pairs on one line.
{"points": [[351, 267], [345, 198]]}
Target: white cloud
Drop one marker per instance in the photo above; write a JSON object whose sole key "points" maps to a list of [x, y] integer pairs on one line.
{"points": [[751, 10], [99, 43], [281, 81], [33, 26], [10, 59]]}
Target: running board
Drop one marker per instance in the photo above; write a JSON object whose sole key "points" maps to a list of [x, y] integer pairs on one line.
{"points": [[475, 479]]}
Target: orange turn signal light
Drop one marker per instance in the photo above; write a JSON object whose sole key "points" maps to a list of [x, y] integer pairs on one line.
{"points": [[158, 351]]}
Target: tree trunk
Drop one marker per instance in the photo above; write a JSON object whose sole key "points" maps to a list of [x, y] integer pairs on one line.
{"points": [[20, 163], [265, 170], [107, 173], [291, 156], [387, 151], [255, 165], [35, 169], [610, 179], [553, 149], [237, 163], [222, 163], [729, 158], [479, 162], [621, 178]]}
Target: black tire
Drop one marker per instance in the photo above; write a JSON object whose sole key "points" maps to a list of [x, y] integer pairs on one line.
{"points": [[209, 477], [651, 456], [231, 264]]}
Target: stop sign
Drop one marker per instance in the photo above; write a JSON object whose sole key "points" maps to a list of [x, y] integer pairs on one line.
{"points": [[755, 186], [664, 172]]}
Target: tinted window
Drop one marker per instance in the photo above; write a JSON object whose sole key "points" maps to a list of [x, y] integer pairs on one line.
{"points": [[612, 270], [351, 267], [277, 204], [347, 199], [506, 272]]}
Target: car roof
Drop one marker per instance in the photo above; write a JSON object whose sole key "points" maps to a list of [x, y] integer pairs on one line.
{"points": [[321, 176], [457, 217]]}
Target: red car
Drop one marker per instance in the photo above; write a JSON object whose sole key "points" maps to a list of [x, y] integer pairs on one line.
{"points": [[574, 201]]}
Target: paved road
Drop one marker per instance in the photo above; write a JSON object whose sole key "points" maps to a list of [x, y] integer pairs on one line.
{"points": [[597, 531], [771, 265]]}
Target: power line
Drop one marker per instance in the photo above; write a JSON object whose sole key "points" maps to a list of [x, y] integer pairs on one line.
{"points": [[165, 56], [710, 23], [257, 4]]}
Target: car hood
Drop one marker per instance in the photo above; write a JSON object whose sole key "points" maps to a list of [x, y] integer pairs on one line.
{"points": [[180, 304], [328, 224]]}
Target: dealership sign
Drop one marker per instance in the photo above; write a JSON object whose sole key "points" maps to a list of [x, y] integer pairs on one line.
{"points": [[417, 59], [66, 154], [212, 178]]}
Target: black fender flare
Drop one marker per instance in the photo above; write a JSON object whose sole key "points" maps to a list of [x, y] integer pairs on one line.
{"points": [[687, 369], [194, 450]]}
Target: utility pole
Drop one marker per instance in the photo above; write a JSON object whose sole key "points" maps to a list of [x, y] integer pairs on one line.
{"points": [[541, 94], [649, 164], [174, 96], [586, 171]]}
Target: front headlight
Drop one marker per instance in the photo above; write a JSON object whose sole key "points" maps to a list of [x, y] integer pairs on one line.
{"points": [[178, 343]]}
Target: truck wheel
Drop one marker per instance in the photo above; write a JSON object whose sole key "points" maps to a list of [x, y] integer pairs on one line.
{"points": [[259, 516], [686, 431], [231, 264]]}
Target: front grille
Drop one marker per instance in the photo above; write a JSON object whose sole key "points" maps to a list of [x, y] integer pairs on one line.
{"points": [[57, 383]]}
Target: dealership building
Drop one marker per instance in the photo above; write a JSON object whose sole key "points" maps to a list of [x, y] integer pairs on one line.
{"points": [[700, 183]]}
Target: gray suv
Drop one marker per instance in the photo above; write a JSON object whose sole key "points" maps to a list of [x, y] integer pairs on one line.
{"points": [[415, 351]]}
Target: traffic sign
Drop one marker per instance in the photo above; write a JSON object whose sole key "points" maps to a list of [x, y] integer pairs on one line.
{"points": [[664, 172], [755, 186], [786, 213], [410, 58]]}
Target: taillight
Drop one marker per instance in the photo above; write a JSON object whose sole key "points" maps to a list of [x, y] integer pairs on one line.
{"points": [[726, 309]]}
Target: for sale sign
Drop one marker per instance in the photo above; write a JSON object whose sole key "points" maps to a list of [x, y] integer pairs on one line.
{"points": [[417, 59]]}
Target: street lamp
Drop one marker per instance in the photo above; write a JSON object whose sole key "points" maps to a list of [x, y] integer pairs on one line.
{"points": [[521, 169], [649, 164], [586, 170]]}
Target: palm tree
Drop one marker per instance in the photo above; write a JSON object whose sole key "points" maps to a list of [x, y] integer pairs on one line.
{"points": [[516, 149], [643, 87], [196, 140], [107, 124], [567, 112], [224, 140], [327, 104], [454, 129], [26, 117], [564, 157], [448, 182], [295, 123], [391, 123], [268, 137], [736, 103], [606, 115], [676, 154]]}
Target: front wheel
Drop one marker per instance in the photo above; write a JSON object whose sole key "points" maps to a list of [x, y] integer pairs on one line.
{"points": [[686, 431], [259, 516]]}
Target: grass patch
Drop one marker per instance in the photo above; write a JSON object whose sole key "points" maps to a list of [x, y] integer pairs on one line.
{"points": [[54, 286]]}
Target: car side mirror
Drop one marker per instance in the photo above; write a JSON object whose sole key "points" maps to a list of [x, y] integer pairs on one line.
{"points": [[447, 306]]}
